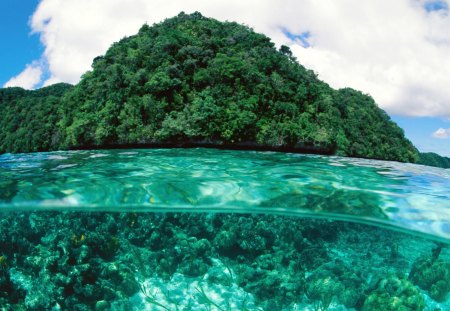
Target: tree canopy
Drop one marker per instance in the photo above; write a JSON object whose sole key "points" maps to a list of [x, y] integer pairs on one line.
{"points": [[433, 159], [192, 79], [28, 119]]}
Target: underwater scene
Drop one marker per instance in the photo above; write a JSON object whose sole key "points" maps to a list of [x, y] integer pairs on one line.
{"points": [[209, 229]]}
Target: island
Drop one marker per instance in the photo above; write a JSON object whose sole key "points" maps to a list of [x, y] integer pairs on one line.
{"points": [[194, 81]]}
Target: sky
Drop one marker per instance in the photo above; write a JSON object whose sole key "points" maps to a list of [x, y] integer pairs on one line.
{"points": [[396, 51]]}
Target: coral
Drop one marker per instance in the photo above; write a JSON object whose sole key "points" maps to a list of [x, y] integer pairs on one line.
{"points": [[77, 240], [433, 275], [394, 294], [3, 262], [336, 281], [99, 260]]}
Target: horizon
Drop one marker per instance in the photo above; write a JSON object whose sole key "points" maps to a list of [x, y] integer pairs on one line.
{"points": [[42, 35]]}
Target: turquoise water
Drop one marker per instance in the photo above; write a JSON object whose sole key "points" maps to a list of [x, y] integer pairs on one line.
{"points": [[206, 229]]}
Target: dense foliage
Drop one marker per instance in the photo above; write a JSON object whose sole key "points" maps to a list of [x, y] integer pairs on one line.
{"points": [[192, 79], [433, 159], [28, 119]]}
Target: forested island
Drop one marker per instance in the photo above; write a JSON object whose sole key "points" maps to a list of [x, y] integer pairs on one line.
{"points": [[433, 159], [196, 81]]}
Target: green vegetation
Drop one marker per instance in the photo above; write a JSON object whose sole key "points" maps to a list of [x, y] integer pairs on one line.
{"points": [[195, 80], [28, 119], [433, 159]]}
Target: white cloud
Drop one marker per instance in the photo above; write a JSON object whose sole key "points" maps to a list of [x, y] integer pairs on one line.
{"points": [[394, 50], [29, 78], [442, 133]]}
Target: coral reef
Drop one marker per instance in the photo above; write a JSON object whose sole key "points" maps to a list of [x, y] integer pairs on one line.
{"points": [[335, 280], [433, 275], [116, 261], [394, 294]]}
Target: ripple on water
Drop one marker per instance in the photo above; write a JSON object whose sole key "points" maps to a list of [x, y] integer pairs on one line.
{"points": [[408, 196]]}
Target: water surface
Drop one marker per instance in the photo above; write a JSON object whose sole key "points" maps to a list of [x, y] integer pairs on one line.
{"points": [[205, 229], [406, 196]]}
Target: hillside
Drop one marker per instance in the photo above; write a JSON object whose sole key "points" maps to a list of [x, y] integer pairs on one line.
{"points": [[195, 80], [28, 119], [433, 159]]}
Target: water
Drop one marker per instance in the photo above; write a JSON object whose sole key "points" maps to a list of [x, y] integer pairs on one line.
{"points": [[205, 229]]}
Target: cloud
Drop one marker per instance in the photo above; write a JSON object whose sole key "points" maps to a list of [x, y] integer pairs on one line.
{"points": [[396, 51], [442, 133], [29, 78]]}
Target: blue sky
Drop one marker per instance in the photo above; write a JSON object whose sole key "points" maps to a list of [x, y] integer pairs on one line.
{"points": [[400, 56], [420, 132], [19, 46]]}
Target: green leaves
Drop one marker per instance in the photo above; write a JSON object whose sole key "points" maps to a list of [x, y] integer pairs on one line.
{"points": [[28, 118], [196, 79]]}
